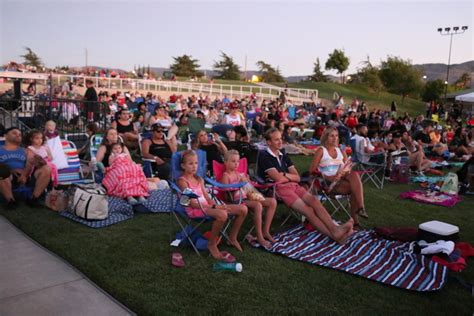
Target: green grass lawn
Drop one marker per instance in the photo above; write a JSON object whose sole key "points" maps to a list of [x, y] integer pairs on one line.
{"points": [[350, 91], [131, 261]]}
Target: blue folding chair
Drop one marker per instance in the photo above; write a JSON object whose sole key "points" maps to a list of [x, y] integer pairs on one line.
{"points": [[373, 171], [146, 162], [188, 225]]}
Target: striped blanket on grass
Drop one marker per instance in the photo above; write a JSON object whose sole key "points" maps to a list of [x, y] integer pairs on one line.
{"points": [[365, 255]]}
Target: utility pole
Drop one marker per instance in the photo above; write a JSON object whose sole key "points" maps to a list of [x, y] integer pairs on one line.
{"points": [[86, 57], [245, 68]]}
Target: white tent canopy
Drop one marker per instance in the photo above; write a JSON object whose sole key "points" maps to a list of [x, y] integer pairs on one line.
{"points": [[468, 97]]}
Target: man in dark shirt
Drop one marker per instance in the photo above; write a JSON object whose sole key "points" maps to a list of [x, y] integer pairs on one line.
{"points": [[276, 166], [423, 136], [18, 162], [91, 100]]}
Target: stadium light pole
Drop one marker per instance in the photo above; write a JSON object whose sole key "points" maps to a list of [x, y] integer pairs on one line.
{"points": [[455, 30]]}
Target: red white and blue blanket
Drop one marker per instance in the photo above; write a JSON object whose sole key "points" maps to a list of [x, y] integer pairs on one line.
{"points": [[366, 255]]}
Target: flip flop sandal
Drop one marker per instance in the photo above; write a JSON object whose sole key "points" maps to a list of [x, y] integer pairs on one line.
{"points": [[252, 240], [363, 213], [177, 260], [227, 257], [357, 227]]}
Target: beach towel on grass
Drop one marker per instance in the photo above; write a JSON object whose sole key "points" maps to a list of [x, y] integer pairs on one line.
{"points": [[159, 201], [366, 255], [119, 210], [430, 180], [436, 198]]}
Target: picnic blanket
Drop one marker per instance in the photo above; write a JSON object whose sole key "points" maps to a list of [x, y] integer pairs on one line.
{"points": [[430, 180], [159, 201], [119, 210], [436, 198], [366, 255]]}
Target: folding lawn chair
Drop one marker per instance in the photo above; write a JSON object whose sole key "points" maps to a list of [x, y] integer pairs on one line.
{"points": [[218, 171], [269, 189], [373, 171], [146, 162], [95, 142], [187, 224], [74, 173], [337, 202]]}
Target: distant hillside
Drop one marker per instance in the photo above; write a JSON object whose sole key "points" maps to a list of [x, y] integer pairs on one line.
{"points": [[432, 72], [438, 71]]}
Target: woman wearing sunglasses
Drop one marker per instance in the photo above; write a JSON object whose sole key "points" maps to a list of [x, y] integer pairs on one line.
{"points": [[160, 149]]}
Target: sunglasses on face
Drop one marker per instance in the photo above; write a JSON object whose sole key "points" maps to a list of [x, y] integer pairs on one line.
{"points": [[159, 130]]}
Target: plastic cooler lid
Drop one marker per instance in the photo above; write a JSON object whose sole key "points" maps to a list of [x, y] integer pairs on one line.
{"points": [[440, 228]]}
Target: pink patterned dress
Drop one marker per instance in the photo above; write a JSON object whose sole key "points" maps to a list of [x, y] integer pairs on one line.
{"points": [[124, 179]]}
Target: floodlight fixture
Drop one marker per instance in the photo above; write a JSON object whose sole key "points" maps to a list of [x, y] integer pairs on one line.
{"points": [[450, 31]]}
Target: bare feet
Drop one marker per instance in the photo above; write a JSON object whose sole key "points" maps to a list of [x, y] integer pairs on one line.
{"points": [[269, 237], [214, 251], [343, 231], [263, 242], [235, 243]]}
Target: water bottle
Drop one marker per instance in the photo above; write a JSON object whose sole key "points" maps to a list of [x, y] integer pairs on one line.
{"points": [[223, 266]]}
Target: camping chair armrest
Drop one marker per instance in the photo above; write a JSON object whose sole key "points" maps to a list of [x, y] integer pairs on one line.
{"points": [[175, 187], [262, 185], [225, 187]]}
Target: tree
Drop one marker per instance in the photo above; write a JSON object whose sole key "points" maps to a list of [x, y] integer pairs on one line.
{"points": [[433, 90], [338, 61], [226, 68], [185, 66], [318, 75], [268, 73], [464, 81], [31, 59], [369, 75], [400, 77]]}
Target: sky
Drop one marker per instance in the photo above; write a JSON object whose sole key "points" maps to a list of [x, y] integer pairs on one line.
{"points": [[287, 34]]}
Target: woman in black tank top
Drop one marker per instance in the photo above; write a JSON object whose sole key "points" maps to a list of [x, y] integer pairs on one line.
{"points": [[160, 150], [126, 129]]}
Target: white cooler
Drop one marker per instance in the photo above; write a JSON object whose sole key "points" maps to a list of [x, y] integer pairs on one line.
{"points": [[436, 230]]}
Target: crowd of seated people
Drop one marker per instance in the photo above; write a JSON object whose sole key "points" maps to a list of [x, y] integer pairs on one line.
{"points": [[276, 127]]}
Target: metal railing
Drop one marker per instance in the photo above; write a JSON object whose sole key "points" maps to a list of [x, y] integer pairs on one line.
{"points": [[70, 116], [215, 89]]}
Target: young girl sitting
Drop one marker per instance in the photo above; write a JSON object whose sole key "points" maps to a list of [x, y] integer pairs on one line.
{"points": [[124, 178], [36, 143], [50, 130], [190, 180], [231, 162]]}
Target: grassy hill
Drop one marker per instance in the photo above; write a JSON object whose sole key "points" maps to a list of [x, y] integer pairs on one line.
{"points": [[350, 91]]}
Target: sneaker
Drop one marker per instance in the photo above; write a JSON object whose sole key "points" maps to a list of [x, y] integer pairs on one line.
{"points": [[33, 202], [11, 205], [132, 201], [420, 173]]}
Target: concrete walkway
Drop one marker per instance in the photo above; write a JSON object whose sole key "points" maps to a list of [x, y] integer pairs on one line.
{"points": [[34, 281]]}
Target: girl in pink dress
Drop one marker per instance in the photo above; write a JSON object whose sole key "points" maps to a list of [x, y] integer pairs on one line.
{"points": [[205, 206], [124, 178], [230, 176], [36, 143]]}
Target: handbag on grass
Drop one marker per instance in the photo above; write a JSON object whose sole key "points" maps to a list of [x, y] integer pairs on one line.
{"points": [[57, 200], [90, 202]]}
